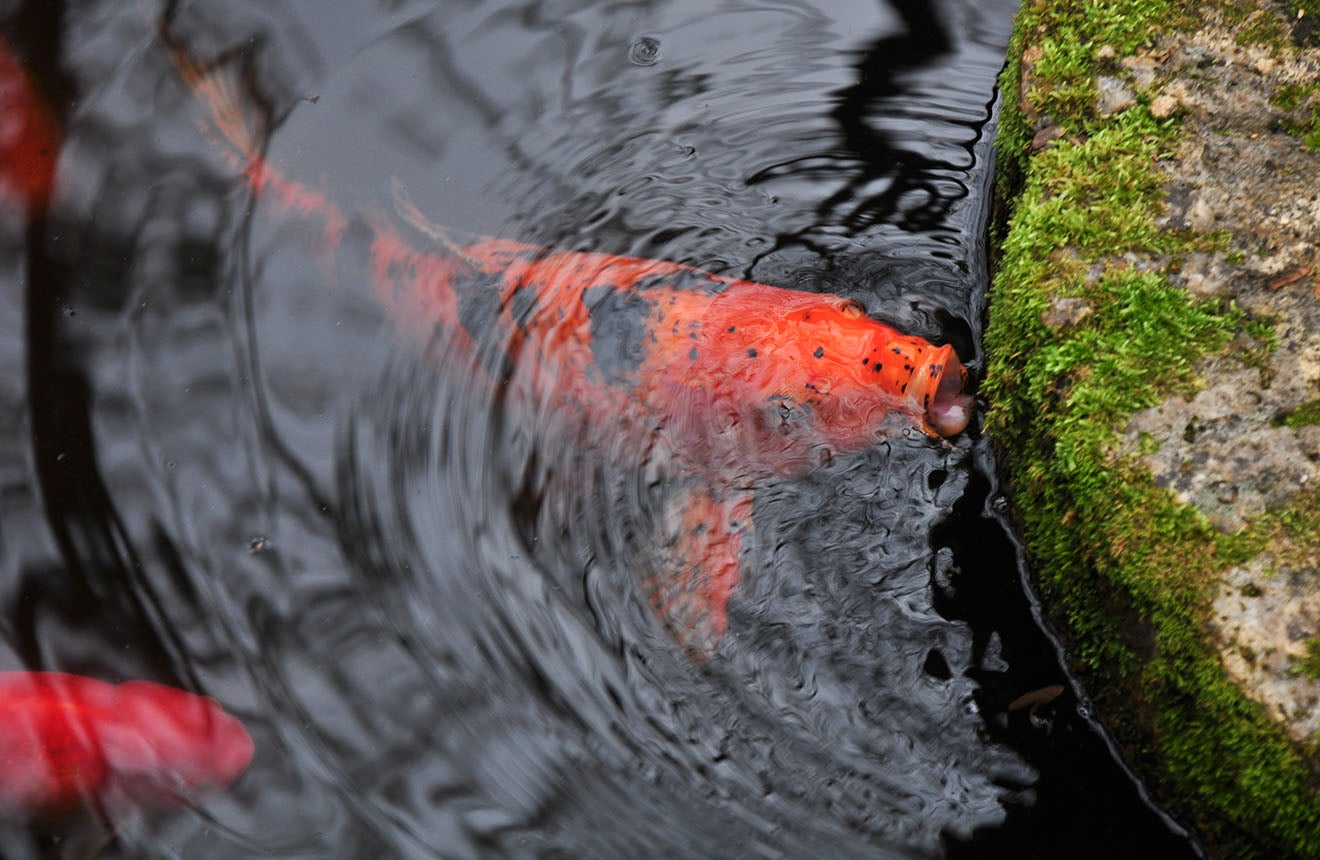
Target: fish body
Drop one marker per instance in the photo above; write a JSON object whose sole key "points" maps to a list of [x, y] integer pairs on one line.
{"points": [[743, 377], [29, 138], [70, 741], [735, 380]]}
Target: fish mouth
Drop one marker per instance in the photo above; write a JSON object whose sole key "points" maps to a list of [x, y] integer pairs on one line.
{"points": [[948, 407]]}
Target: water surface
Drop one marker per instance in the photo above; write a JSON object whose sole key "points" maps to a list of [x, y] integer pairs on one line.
{"points": [[228, 470]]}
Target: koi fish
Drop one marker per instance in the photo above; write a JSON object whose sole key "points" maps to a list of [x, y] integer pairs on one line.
{"points": [[70, 743], [736, 380], [29, 138]]}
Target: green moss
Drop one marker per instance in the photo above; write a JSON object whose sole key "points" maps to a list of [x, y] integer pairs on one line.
{"points": [[1309, 132], [1260, 24], [1309, 665], [1126, 569], [1307, 129], [1064, 40], [1287, 534], [1290, 96], [1260, 27], [1308, 414], [1299, 8]]}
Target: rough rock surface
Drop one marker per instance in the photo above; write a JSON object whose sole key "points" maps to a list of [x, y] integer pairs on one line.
{"points": [[1230, 450], [1153, 381]]}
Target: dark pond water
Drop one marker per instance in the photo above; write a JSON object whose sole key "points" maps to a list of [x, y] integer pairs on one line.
{"points": [[226, 468]]}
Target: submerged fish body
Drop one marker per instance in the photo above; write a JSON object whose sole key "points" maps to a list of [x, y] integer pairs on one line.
{"points": [[742, 377], [73, 746], [29, 138], [736, 380], [72, 742]]}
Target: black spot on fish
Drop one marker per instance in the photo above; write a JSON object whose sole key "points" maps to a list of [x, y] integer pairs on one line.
{"points": [[480, 314], [692, 353], [896, 350], [902, 389], [479, 308], [820, 351], [732, 329], [878, 367], [620, 325], [865, 362], [522, 305], [752, 353]]}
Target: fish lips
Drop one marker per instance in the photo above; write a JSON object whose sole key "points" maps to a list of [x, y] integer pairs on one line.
{"points": [[939, 387]]}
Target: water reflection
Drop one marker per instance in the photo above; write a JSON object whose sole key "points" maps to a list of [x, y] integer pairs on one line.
{"points": [[425, 605], [881, 181]]}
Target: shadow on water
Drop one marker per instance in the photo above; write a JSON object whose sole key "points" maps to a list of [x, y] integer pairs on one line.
{"points": [[93, 582], [878, 176], [237, 476]]}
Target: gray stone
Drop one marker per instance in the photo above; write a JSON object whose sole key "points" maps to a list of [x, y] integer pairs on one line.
{"points": [[1114, 96]]}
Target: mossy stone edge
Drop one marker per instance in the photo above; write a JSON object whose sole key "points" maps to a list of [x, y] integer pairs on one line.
{"points": [[1093, 322]]}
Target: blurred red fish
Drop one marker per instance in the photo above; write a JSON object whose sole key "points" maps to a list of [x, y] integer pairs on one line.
{"points": [[29, 138], [736, 380], [71, 743]]}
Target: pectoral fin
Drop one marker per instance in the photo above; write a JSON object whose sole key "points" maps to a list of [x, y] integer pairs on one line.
{"points": [[696, 566]]}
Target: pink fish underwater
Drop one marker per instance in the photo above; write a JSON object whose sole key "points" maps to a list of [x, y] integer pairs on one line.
{"points": [[73, 747], [70, 743], [29, 138], [737, 380]]}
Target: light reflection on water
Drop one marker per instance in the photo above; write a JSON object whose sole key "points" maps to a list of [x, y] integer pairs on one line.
{"points": [[425, 605]]}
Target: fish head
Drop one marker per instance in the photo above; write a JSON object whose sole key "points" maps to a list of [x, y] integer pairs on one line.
{"points": [[860, 372], [938, 389]]}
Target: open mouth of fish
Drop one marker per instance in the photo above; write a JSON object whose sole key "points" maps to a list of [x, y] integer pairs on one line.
{"points": [[948, 406]]}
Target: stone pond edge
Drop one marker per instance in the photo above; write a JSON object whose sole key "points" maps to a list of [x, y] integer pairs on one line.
{"points": [[1091, 324]]}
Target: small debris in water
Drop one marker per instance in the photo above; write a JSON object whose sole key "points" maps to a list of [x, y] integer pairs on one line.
{"points": [[1034, 700]]}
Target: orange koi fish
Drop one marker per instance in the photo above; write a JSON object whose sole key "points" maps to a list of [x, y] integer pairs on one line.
{"points": [[71, 743], [737, 380], [29, 138]]}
